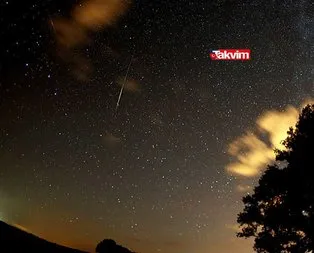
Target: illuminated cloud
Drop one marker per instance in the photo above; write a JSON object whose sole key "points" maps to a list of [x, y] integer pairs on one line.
{"points": [[95, 14], [68, 33], [90, 15], [72, 33], [129, 84], [251, 151], [234, 227], [79, 65], [243, 188], [111, 140], [276, 124]]}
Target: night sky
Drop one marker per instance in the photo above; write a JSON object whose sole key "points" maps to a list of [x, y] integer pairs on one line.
{"points": [[152, 171]]}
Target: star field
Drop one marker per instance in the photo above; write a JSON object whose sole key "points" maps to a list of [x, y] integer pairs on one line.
{"points": [[150, 174]]}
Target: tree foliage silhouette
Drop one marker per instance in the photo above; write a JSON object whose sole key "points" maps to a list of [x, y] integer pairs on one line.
{"points": [[110, 246], [280, 212]]}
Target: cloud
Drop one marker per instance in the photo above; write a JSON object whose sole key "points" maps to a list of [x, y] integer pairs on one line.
{"points": [[129, 84], [68, 33], [276, 124], [90, 15], [234, 227], [95, 14], [243, 188], [111, 140], [252, 151], [79, 65], [86, 17]]}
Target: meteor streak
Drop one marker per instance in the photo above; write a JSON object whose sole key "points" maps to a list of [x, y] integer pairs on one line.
{"points": [[122, 87]]}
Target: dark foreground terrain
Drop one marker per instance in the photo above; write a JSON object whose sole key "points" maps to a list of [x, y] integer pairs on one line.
{"points": [[14, 240]]}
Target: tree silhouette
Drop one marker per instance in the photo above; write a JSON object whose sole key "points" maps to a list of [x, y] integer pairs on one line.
{"points": [[280, 212], [110, 246]]}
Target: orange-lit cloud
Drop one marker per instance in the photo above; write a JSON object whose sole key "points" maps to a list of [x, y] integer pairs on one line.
{"points": [[95, 14], [252, 152], [276, 124], [234, 227], [129, 84], [243, 188], [111, 140], [72, 33], [90, 15], [68, 33]]}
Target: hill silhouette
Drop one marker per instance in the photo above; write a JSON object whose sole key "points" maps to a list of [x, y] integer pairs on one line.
{"points": [[14, 240], [110, 246]]}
